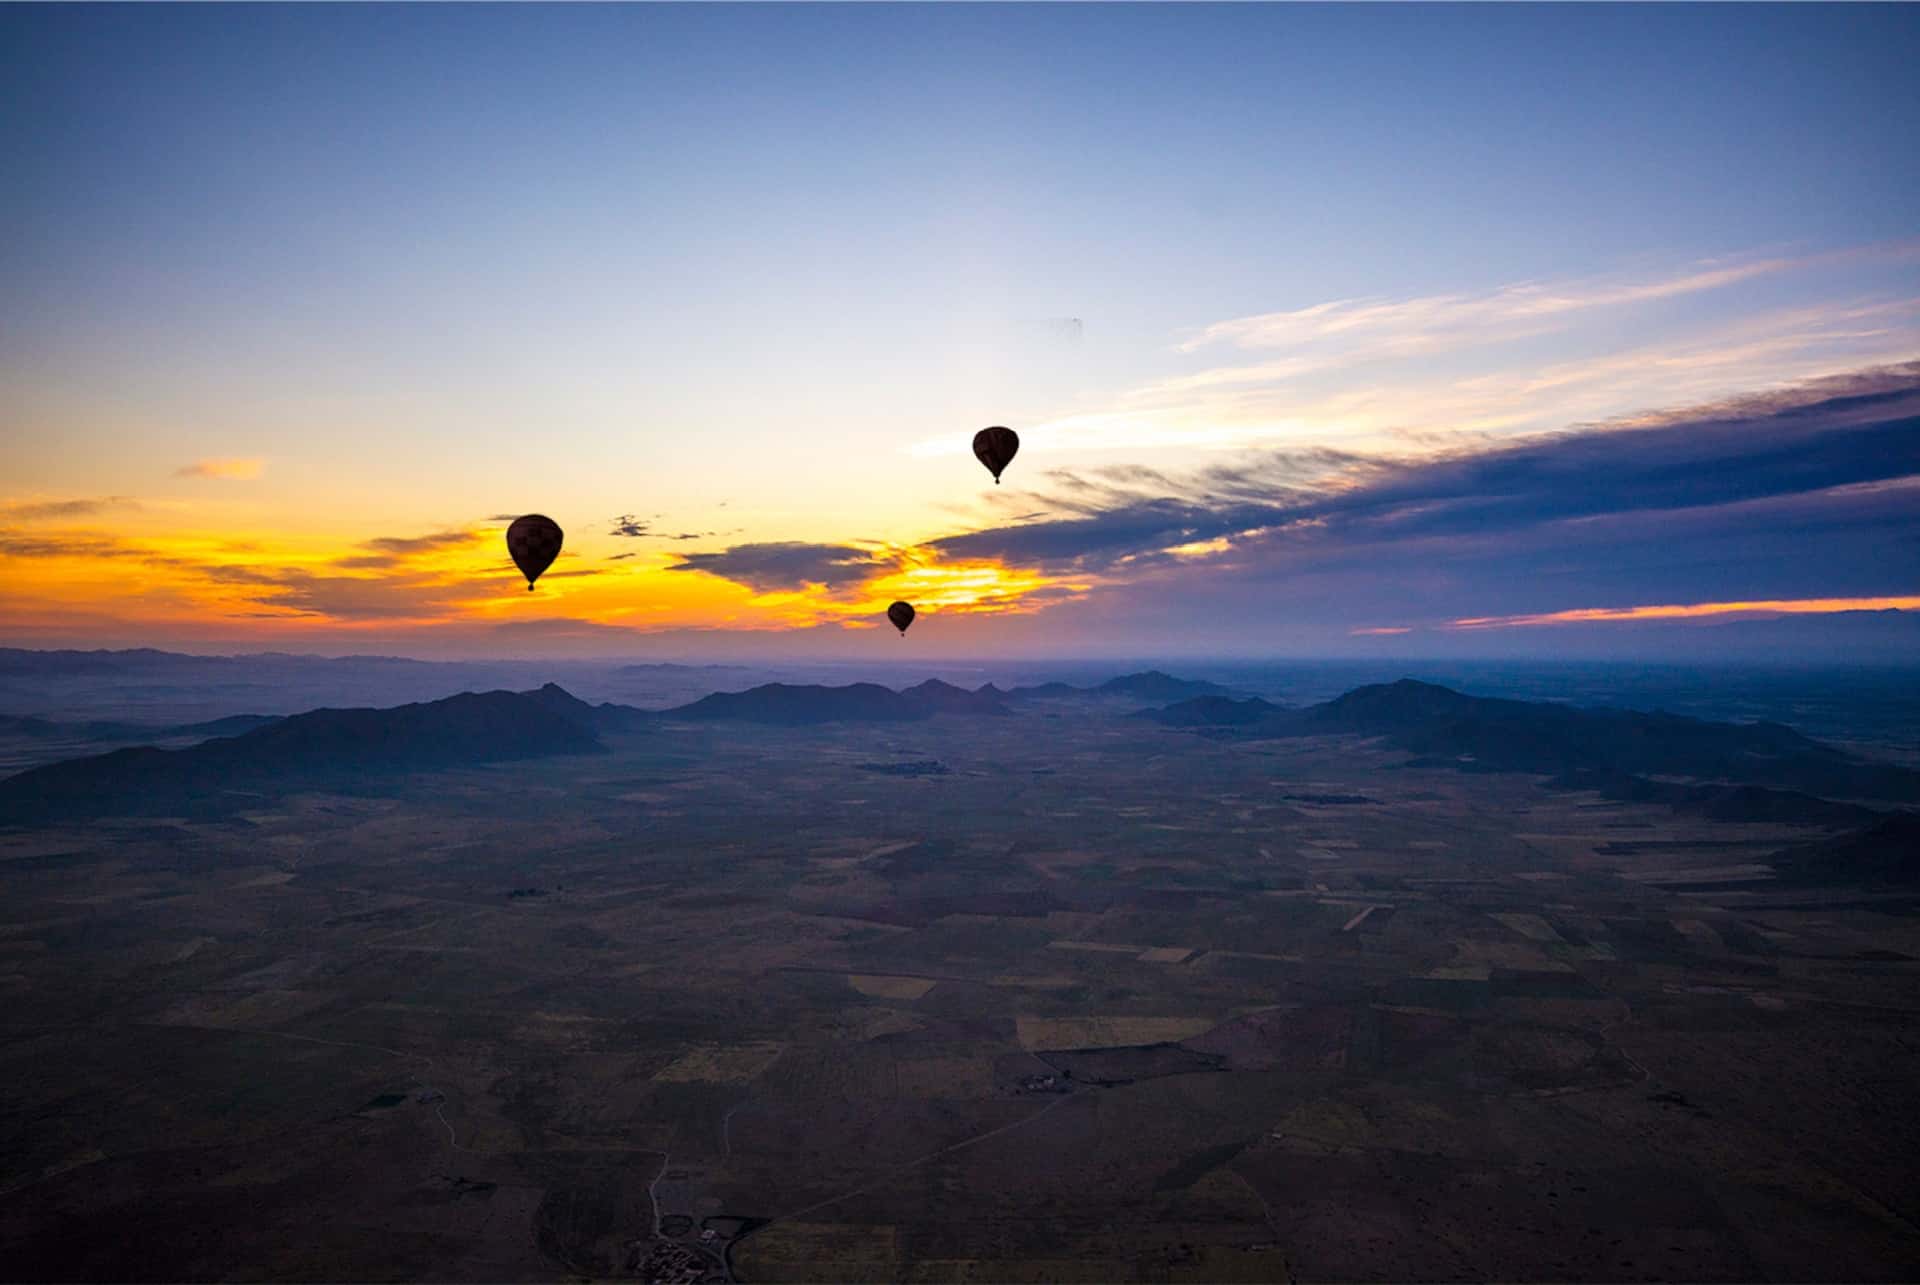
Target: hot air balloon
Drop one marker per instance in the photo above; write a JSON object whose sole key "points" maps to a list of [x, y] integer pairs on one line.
{"points": [[534, 542], [996, 448], [901, 614]]}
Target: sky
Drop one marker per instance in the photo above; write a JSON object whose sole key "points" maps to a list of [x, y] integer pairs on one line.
{"points": [[1327, 330]]}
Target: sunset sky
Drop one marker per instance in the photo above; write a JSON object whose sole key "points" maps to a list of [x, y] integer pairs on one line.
{"points": [[1324, 329]]}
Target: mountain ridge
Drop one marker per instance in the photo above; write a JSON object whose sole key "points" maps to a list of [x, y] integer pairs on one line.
{"points": [[323, 746], [1440, 726]]}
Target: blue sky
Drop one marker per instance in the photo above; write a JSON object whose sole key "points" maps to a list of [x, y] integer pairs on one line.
{"points": [[756, 273]]}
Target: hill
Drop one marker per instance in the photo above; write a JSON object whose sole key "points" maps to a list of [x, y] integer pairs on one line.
{"points": [[1751, 804], [1886, 853], [604, 717], [1476, 733], [798, 705], [326, 747], [1222, 712], [107, 730], [1150, 685]]}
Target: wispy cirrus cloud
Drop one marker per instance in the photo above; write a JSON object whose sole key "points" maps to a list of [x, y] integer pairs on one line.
{"points": [[229, 469], [1397, 327], [1381, 374]]}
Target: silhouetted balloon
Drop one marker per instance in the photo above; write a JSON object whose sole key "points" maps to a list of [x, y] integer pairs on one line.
{"points": [[534, 542], [901, 614], [996, 448]]}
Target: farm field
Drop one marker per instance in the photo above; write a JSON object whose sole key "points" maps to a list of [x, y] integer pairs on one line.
{"points": [[1103, 1001]]}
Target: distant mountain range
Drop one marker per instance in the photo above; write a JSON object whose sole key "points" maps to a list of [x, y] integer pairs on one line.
{"points": [[49, 729], [246, 755], [24, 662], [791, 705], [1151, 686], [1887, 852], [1744, 772], [1753, 804], [1441, 726], [326, 747], [798, 705]]}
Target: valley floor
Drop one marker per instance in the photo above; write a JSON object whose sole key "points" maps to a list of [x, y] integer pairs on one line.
{"points": [[1101, 1001]]}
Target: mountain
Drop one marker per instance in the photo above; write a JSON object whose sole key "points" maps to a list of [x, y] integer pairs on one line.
{"points": [[1745, 803], [17, 661], [1221, 711], [795, 706], [944, 698], [604, 717], [1151, 686], [326, 747], [1045, 691], [1888, 852], [1156, 686], [1526, 736], [1440, 725], [47, 729]]}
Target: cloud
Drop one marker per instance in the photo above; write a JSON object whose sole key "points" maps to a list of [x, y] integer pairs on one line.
{"points": [[1525, 357], [391, 551], [1693, 611], [239, 469], [1320, 498], [304, 591], [1396, 327], [548, 627], [56, 510], [633, 528], [26, 544], [791, 565]]}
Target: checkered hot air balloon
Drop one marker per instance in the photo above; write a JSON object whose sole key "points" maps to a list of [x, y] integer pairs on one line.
{"points": [[534, 542], [901, 614], [995, 447]]}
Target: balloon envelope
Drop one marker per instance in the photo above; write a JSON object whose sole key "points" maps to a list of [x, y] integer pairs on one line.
{"points": [[995, 447], [901, 614], [534, 541]]}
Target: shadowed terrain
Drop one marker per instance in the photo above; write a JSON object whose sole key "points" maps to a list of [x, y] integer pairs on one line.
{"points": [[856, 982]]}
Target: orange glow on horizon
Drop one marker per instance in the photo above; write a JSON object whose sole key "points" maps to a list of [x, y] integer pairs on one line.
{"points": [[1691, 611], [259, 585]]}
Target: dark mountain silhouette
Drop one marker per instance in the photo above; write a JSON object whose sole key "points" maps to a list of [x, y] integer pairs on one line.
{"points": [[604, 717], [1885, 853], [18, 662], [1442, 726], [945, 698], [327, 747], [855, 703], [1749, 803], [1151, 685], [1222, 711], [47, 729], [47, 664], [1047, 691]]}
